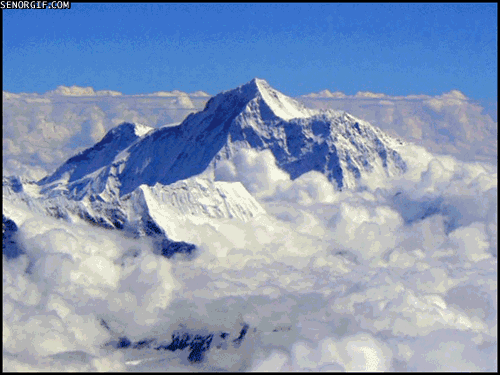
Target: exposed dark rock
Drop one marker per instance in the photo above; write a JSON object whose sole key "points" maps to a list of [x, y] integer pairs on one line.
{"points": [[57, 212], [151, 229], [10, 247], [124, 342], [243, 332], [105, 324], [143, 344], [14, 183], [170, 248], [177, 342], [117, 218], [197, 344]]}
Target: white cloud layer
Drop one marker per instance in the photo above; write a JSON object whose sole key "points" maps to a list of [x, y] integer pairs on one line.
{"points": [[449, 123], [396, 275]]}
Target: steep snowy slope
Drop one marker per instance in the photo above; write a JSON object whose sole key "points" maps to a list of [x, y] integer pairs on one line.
{"points": [[151, 211], [195, 200], [333, 143], [99, 155], [255, 116], [150, 181]]}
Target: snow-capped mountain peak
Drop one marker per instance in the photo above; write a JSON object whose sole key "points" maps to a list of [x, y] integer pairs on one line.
{"points": [[281, 105], [253, 115], [140, 129], [272, 103], [100, 155], [152, 181]]}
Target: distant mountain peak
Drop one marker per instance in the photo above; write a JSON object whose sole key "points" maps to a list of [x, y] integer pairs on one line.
{"points": [[253, 115], [99, 155], [128, 127], [262, 85], [151, 181], [280, 105]]}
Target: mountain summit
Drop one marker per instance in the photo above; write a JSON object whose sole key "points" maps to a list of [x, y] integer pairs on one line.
{"points": [[151, 182], [253, 115]]}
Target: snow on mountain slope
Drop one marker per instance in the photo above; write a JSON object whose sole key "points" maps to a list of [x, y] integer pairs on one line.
{"points": [[196, 200], [100, 155], [256, 116], [331, 142], [200, 197], [336, 144], [282, 105], [158, 211], [137, 176]]}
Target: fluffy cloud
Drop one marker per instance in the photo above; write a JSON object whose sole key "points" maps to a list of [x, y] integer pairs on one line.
{"points": [[449, 123], [257, 171], [70, 119], [261, 176], [326, 281]]}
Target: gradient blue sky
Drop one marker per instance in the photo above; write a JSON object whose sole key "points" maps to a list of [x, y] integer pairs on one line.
{"points": [[397, 49]]}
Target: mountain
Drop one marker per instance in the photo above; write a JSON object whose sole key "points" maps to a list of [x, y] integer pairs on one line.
{"points": [[99, 155], [255, 116], [149, 181]]}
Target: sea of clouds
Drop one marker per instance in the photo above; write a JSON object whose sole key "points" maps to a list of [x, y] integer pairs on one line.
{"points": [[397, 275]]}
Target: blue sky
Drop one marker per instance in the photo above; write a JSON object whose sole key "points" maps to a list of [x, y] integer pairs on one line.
{"points": [[397, 49]]}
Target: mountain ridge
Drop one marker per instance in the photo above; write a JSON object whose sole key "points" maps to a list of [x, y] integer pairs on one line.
{"points": [[149, 182], [253, 115]]}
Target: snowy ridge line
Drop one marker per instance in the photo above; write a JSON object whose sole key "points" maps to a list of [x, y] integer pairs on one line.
{"points": [[152, 212], [203, 198], [254, 116], [196, 197]]}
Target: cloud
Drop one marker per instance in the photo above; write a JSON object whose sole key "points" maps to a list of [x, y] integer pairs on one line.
{"points": [[12, 167], [70, 119], [449, 123], [326, 94], [257, 171], [72, 91], [199, 93], [448, 350], [472, 242], [311, 187], [337, 269], [367, 94], [262, 177], [399, 274]]}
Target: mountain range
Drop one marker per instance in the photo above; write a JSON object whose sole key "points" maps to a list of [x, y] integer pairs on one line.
{"points": [[148, 180]]}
